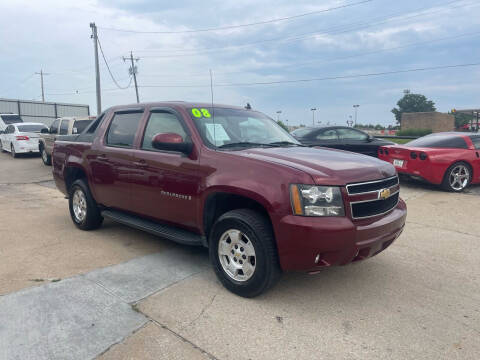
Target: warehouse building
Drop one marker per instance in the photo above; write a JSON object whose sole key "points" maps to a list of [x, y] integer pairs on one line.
{"points": [[42, 112]]}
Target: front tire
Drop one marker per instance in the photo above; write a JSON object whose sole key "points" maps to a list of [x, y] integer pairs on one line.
{"points": [[83, 208], [457, 177], [47, 159], [243, 252]]}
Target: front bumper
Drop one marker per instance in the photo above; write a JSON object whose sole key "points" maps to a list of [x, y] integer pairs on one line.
{"points": [[337, 241]]}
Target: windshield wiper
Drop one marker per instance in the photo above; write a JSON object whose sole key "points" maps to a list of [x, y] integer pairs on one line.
{"points": [[285, 143], [244, 144]]}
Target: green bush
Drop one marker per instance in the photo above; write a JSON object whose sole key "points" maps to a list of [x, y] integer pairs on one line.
{"points": [[414, 132]]}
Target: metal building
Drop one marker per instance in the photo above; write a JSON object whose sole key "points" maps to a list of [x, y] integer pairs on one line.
{"points": [[42, 112]]}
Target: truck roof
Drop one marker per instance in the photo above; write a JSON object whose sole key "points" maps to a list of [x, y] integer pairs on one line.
{"points": [[182, 104]]}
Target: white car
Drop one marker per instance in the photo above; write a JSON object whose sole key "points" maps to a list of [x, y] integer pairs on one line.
{"points": [[21, 138]]}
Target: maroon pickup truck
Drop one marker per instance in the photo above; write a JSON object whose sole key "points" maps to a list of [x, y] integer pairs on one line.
{"points": [[232, 180]]}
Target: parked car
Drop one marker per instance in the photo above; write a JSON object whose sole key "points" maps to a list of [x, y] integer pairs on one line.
{"points": [[448, 159], [21, 138], [7, 119], [233, 180], [61, 126], [340, 137]]}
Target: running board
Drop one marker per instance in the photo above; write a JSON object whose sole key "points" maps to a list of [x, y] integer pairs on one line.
{"points": [[165, 231]]}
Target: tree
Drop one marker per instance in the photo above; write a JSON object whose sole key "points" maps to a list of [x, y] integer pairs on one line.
{"points": [[279, 122], [412, 103], [461, 119]]}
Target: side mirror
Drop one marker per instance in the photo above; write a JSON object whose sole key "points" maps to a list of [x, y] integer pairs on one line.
{"points": [[44, 131], [171, 142], [370, 138]]}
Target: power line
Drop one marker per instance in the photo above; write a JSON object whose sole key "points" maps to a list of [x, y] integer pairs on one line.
{"points": [[108, 68], [329, 31], [323, 60], [229, 27], [341, 77]]}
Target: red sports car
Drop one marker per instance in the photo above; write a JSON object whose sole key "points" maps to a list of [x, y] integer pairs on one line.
{"points": [[449, 159]]}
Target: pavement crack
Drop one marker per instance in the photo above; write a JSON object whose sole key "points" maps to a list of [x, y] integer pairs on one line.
{"points": [[124, 338], [181, 337], [205, 308]]}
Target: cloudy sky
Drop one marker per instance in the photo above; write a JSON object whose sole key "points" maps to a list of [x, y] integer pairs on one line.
{"points": [[349, 38]]}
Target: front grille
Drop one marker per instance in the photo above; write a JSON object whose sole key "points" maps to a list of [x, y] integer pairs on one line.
{"points": [[366, 198], [373, 208], [372, 185]]}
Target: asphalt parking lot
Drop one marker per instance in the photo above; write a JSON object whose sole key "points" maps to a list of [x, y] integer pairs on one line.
{"points": [[117, 293]]}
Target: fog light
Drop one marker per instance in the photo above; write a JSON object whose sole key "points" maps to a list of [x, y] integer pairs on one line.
{"points": [[317, 258]]}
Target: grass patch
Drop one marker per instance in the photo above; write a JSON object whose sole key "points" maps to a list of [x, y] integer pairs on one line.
{"points": [[400, 141]]}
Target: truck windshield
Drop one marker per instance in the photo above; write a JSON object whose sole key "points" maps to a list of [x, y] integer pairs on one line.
{"points": [[11, 119], [228, 128]]}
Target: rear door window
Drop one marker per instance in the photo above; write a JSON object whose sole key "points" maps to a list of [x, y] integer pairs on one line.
{"points": [[122, 129], [327, 135], [351, 134]]}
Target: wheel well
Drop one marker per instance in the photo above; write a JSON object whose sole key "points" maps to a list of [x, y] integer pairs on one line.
{"points": [[219, 203], [72, 174]]}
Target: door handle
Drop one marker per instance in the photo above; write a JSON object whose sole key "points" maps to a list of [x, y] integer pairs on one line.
{"points": [[140, 163], [102, 157]]}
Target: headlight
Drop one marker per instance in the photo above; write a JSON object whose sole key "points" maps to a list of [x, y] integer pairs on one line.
{"points": [[311, 200]]}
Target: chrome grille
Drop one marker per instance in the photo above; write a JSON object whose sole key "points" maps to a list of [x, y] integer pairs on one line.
{"points": [[371, 186], [373, 198]]}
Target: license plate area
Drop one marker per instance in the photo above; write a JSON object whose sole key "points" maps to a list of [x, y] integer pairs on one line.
{"points": [[398, 163]]}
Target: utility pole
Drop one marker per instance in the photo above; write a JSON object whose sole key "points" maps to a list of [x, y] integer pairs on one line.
{"points": [[133, 72], [97, 68], [356, 108], [41, 73], [313, 115]]}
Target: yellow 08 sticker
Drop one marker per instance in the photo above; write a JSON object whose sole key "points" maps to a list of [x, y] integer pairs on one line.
{"points": [[200, 113]]}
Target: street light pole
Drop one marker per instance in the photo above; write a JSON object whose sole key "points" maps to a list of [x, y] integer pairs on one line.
{"points": [[313, 115], [356, 108], [278, 114]]}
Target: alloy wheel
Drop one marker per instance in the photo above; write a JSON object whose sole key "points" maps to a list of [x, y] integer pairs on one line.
{"points": [[459, 177], [237, 255], [79, 205]]}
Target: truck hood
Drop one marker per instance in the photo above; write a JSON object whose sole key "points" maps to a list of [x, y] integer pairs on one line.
{"points": [[326, 166]]}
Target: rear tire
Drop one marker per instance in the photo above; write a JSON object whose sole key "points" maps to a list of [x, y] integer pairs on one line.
{"points": [[243, 252], [457, 177], [12, 151], [83, 208], [47, 159], [1, 147]]}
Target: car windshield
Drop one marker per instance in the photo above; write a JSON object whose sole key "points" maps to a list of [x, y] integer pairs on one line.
{"points": [[439, 141], [11, 119], [31, 128], [230, 128]]}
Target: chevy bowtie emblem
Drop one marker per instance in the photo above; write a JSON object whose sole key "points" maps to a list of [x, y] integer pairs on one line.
{"points": [[384, 194]]}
